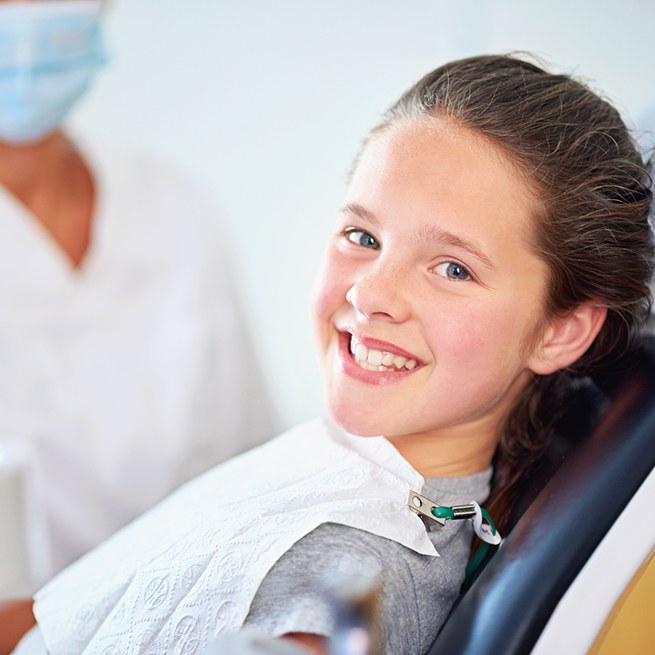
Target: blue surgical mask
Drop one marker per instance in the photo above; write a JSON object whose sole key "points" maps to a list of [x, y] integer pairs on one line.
{"points": [[49, 52]]}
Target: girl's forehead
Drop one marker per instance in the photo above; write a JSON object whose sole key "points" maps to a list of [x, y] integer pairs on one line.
{"points": [[439, 160], [433, 136]]}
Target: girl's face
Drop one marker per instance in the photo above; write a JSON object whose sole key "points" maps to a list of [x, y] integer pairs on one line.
{"points": [[429, 304]]}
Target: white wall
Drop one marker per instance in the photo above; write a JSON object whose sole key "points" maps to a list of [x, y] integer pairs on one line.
{"points": [[265, 102]]}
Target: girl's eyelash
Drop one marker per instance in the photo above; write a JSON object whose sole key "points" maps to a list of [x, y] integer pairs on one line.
{"points": [[365, 239], [453, 270]]}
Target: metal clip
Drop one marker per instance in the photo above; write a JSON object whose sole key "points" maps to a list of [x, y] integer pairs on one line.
{"points": [[423, 507], [467, 511]]}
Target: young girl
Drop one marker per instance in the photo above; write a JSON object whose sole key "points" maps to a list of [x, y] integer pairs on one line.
{"points": [[494, 242]]}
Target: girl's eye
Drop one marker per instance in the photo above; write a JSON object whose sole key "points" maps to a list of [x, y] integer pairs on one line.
{"points": [[453, 271], [361, 238]]}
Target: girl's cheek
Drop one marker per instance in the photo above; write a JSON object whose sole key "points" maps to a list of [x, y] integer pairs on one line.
{"points": [[465, 328], [321, 282], [327, 297]]}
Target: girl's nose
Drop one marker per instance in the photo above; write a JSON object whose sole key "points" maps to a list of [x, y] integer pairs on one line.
{"points": [[379, 296]]}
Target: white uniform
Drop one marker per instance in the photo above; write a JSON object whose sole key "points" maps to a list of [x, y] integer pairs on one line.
{"points": [[134, 373]]}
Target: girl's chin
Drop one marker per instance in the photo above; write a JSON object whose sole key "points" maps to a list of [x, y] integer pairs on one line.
{"points": [[356, 424]]}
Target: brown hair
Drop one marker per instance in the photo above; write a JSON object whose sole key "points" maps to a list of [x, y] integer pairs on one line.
{"points": [[593, 230]]}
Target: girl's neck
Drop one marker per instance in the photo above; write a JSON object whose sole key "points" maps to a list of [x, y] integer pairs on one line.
{"points": [[459, 451]]}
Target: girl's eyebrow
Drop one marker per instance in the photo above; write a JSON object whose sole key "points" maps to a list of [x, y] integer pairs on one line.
{"points": [[361, 212], [426, 234], [433, 234]]}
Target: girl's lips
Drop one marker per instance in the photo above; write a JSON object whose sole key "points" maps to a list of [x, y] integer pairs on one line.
{"points": [[385, 376]]}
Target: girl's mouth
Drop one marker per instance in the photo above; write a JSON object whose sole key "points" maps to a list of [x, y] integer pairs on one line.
{"points": [[370, 358]]}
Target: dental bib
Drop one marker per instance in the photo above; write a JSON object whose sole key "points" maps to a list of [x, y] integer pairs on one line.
{"points": [[188, 570]]}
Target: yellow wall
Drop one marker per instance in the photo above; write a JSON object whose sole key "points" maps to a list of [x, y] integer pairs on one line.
{"points": [[630, 626]]}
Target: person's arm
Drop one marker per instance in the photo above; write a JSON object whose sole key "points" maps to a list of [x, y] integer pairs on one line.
{"points": [[312, 643], [249, 642], [16, 619]]}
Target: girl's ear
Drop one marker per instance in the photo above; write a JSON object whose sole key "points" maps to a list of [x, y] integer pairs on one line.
{"points": [[567, 338]]}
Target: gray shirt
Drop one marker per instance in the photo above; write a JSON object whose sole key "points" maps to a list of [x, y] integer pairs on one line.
{"points": [[417, 591]]}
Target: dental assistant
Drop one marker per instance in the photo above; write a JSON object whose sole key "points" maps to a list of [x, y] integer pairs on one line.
{"points": [[125, 361]]}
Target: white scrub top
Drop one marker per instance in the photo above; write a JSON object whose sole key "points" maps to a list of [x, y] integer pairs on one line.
{"points": [[133, 373]]}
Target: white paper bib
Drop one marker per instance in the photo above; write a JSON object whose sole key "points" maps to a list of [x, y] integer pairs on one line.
{"points": [[188, 570]]}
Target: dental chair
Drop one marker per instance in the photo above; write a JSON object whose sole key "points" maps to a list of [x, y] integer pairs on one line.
{"points": [[587, 512]]}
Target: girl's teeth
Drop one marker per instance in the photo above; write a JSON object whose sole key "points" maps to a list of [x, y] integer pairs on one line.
{"points": [[374, 357], [399, 361], [377, 360]]}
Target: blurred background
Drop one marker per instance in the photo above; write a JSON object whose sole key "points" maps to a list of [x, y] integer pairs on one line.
{"points": [[266, 102]]}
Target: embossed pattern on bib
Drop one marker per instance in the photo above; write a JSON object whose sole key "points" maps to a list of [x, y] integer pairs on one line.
{"points": [[187, 571]]}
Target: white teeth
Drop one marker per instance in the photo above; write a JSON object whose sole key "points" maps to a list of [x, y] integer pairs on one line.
{"points": [[399, 361], [375, 357], [377, 360]]}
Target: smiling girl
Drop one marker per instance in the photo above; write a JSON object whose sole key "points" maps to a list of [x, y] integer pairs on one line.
{"points": [[494, 243], [431, 263]]}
